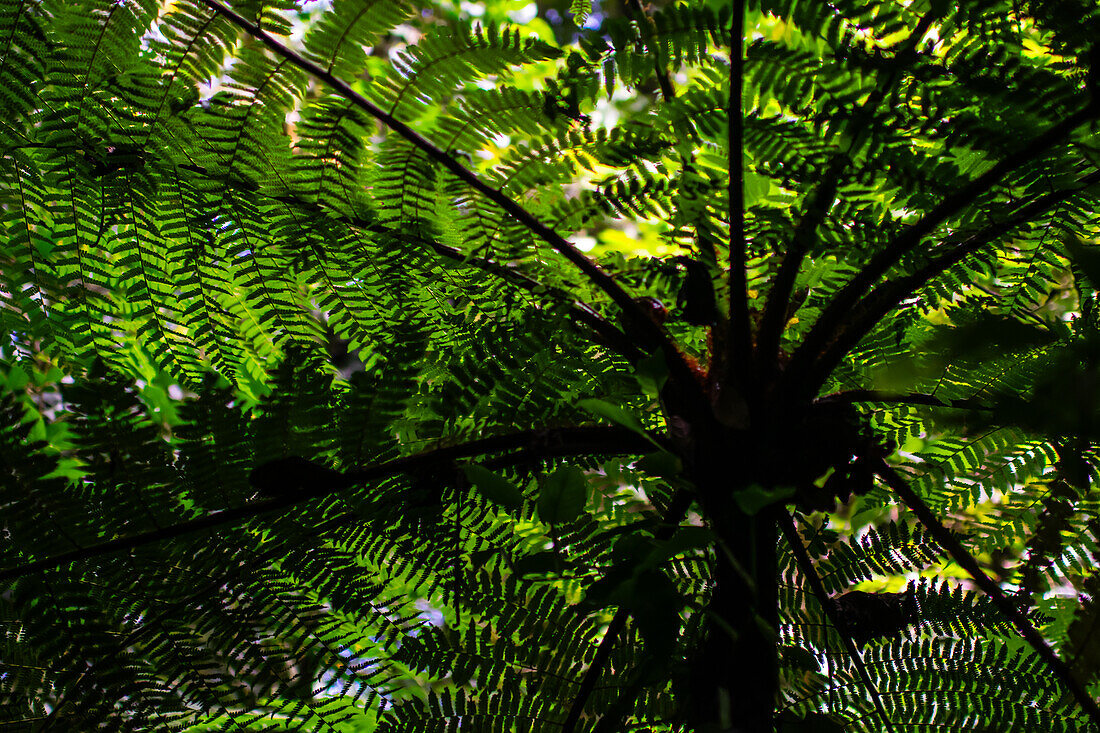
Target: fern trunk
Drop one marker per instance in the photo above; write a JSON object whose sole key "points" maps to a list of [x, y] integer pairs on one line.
{"points": [[734, 675]]}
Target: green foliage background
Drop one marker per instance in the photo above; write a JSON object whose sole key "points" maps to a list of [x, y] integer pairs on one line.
{"points": [[212, 259]]}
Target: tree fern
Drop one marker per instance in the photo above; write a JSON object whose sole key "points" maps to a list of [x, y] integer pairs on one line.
{"points": [[419, 366]]}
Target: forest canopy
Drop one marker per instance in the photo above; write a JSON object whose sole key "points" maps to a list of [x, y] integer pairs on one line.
{"points": [[400, 365]]}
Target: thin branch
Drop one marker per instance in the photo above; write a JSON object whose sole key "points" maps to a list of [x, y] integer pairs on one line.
{"points": [[601, 279], [966, 561], [880, 301], [740, 341], [536, 444], [855, 396], [821, 199], [681, 502], [786, 524], [847, 298]]}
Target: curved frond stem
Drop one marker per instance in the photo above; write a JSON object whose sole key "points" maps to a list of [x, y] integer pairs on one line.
{"points": [[681, 502], [857, 396], [649, 328], [774, 318], [740, 344], [581, 311], [849, 296], [220, 581], [891, 294], [535, 444], [966, 561], [664, 81], [819, 202], [790, 532], [592, 674]]}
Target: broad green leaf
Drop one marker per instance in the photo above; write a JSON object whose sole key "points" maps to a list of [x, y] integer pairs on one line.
{"points": [[493, 487], [655, 605], [652, 600], [754, 498], [637, 556], [683, 540], [652, 373], [756, 187], [617, 415], [661, 463], [17, 378], [562, 495]]}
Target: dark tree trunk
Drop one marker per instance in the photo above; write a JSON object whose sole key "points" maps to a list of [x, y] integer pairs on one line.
{"points": [[733, 680]]}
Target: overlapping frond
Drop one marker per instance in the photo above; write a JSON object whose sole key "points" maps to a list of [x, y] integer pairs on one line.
{"points": [[219, 250]]}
